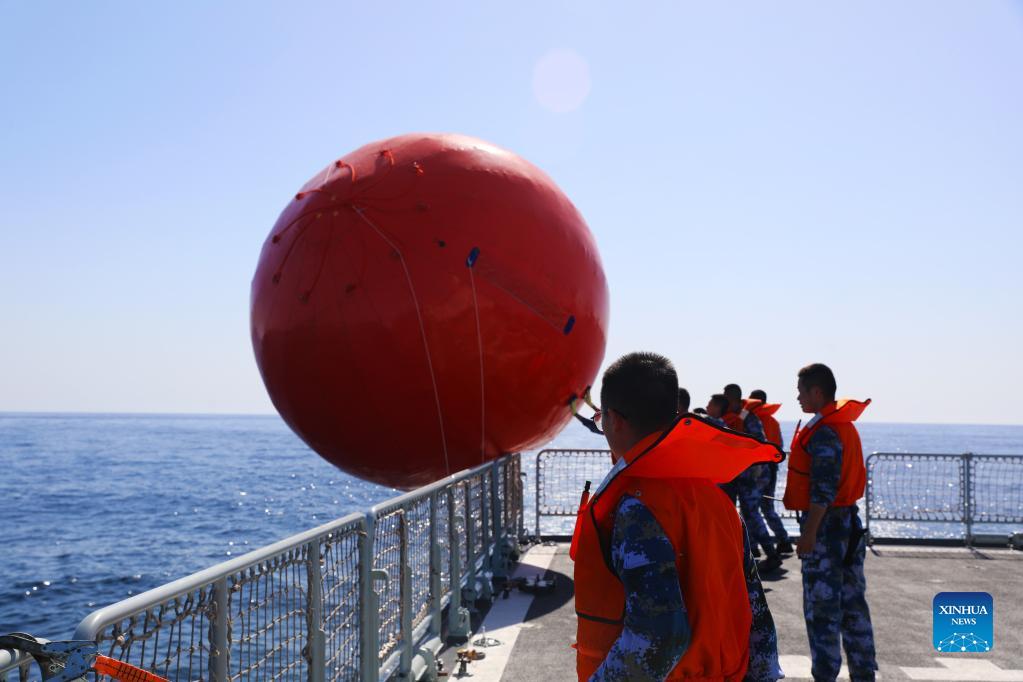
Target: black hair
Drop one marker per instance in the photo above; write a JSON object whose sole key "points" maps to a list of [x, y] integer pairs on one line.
{"points": [[821, 376], [642, 388], [683, 400], [733, 392], [721, 401], [758, 395]]}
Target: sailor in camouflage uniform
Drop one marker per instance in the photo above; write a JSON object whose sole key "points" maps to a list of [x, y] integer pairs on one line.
{"points": [[657, 631], [831, 543], [750, 485], [653, 636]]}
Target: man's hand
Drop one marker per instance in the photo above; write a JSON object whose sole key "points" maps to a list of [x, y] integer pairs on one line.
{"points": [[805, 545], [808, 533]]}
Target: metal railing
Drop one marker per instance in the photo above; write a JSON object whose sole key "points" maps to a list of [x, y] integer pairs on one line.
{"points": [[967, 489], [560, 477], [361, 598], [562, 473]]}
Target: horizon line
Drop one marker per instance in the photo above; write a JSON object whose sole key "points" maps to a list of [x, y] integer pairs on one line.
{"points": [[87, 413]]}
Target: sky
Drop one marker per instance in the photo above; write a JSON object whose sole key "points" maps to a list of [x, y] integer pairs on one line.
{"points": [[769, 184]]}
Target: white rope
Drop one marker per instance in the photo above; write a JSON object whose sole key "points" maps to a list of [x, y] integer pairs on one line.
{"points": [[479, 342], [422, 330]]}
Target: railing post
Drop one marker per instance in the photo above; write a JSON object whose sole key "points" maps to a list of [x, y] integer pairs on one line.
{"points": [[486, 555], [470, 545], [485, 515], [405, 582], [866, 512], [459, 624], [316, 641], [536, 479], [523, 482], [968, 496], [498, 556], [219, 645], [369, 634], [436, 589]]}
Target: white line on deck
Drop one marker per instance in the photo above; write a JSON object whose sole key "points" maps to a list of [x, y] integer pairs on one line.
{"points": [[964, 669], [798, 668], [947, 669], [506, 616]]}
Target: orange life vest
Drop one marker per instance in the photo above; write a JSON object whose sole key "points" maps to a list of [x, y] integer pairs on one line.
{"points": [[853, 478], [736, 421], [674, 474], [765, 411]]}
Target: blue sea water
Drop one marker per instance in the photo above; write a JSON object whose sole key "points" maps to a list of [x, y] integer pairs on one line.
{"points": [[96, 508]]}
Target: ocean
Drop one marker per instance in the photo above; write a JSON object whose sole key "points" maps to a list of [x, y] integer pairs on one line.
{"points": [[96, 508]]}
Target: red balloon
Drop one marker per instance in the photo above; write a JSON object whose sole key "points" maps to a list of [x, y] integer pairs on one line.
{"points": [[425, 304]]}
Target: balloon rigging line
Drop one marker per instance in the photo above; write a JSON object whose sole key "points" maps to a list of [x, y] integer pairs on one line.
{"points": [[291, 246], [479, 342], [523, 303], [422, 329], [319, 271]]}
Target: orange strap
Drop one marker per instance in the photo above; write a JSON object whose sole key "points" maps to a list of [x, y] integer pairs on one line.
{"points": [[126, 672]]}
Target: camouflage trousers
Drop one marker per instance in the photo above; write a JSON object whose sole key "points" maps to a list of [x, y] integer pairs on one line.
{"points": [[834, 598], [767, 506], [747, 487]]}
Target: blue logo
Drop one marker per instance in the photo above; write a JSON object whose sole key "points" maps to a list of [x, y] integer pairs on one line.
{"points": [[964, 622]]}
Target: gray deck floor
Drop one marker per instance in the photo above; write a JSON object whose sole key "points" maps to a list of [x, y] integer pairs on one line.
{"points": [[901, 583]]}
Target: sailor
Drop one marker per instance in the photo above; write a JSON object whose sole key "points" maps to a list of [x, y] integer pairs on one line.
{"points": [[751, 484], [765, 411], [683, 400], [657, 596], [826, 477], [717, 406], [585, 421]]}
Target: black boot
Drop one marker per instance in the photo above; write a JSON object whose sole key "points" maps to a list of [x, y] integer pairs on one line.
{"points": [[770, 564], [785, 547]]}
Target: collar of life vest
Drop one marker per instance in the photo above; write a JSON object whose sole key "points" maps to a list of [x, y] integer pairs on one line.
{"points": [[749, 405], [844, 411], [762, 409], [694, 448]]}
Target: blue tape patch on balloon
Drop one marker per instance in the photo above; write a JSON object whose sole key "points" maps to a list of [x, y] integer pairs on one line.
{"points": [[570, 324], [473, 255]]}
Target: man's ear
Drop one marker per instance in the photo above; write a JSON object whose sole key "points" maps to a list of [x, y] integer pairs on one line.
{"points": [[621, 423], [611, 421]]}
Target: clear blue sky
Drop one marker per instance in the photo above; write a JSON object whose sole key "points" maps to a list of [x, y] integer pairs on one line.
{"points": [[769, 186]]}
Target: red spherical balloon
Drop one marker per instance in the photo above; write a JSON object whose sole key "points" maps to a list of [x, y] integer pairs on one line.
{"points": [[425, 304]]}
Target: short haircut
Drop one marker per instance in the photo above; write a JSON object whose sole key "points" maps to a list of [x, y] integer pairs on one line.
{"points": [[683, 400], [821, 376], [721, 401], [643, 388], [758, 395], [733, 392]]}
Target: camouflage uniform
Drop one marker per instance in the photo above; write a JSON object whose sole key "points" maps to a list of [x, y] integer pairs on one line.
{"points": [[768, 488], [749, 488], [763, 639], [834, 586], [656, 632]]}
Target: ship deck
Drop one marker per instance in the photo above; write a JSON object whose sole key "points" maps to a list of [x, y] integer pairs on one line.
{"points": [[536, 631]]}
